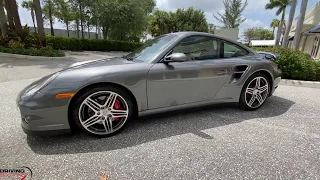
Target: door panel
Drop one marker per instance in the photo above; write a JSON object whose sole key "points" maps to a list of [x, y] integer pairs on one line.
{"points": [[185, 82]]}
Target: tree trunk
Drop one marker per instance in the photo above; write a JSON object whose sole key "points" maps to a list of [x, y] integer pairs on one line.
{"points": [[97, 32], [51, 27], [121, 36], [38, 11], [297, 35], [105, 33], [81, 21], [15, 15], [50, 19], [279, 32], [67, 24], [273, 31], [9, 13], [33, 20], [77, 23], [3, 20], [89, 31]]}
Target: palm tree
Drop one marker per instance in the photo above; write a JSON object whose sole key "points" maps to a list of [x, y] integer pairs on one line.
{"points": [[289, 24], [281, 5], [274, 24], [49, 11], [12, 9], [3, 20], [38, 11], [297, 35], [29, 6], [9, 13], [64, 13]]}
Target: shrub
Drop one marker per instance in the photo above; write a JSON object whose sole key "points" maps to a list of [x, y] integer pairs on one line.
{"points": [[16, 44], [296, 64], [75, 44], [29, 39], [33, 52], [48, 48]]}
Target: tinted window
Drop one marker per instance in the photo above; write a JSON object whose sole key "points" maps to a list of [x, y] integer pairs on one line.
{"points": [[232, 50], [198, 48], [152, 48]]}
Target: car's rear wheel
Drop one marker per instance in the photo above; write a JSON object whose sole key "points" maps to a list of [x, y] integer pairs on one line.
{"points": [[102, 111], [255, 92]]}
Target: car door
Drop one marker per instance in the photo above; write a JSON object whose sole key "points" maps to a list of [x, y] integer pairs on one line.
{"points": [[197, 79]]}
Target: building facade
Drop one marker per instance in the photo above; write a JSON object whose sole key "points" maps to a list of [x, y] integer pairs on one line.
{"points": [[310, 38]]}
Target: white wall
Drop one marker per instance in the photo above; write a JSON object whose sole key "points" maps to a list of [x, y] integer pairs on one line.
{"points": [[72, 33]]}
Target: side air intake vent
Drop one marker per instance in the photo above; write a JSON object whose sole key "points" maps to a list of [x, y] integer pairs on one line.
{"points": [[238, 72]]}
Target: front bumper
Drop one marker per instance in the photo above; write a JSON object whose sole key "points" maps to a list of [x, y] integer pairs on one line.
{"points": [[276, 83], [42, 114]]}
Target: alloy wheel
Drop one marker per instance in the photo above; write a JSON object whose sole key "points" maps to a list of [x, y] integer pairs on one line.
{"points": [[103, 112], [257, 92]]}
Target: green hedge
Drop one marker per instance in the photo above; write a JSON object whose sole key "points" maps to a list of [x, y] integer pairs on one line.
{"points": [[32, 52], [296, 64], [77, 44]]}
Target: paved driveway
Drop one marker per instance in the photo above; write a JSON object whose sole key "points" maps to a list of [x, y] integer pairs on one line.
{"points": [[279, 141]]}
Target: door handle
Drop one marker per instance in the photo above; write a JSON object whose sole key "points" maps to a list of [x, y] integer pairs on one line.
{"points": [[222, 72]]}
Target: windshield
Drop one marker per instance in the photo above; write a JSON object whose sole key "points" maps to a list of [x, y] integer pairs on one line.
{"points": [[152, 48]]}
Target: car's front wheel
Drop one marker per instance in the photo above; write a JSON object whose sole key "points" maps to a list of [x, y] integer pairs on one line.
{"points": [[255, 92], [102, 111]]}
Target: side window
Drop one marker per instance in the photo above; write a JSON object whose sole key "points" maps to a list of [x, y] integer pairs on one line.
{"points": [[198, 48], [232, 50]]}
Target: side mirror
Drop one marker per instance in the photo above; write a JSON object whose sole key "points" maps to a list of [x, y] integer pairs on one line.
{"points": [[175, 57]]}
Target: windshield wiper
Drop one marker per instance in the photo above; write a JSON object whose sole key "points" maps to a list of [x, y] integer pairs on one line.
{"points": [[128, 58]]}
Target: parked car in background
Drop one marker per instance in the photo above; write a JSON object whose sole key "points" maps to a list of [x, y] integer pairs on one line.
{"points": [[269, 55]]}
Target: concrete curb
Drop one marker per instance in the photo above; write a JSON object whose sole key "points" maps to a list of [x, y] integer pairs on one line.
{"points": [[24, 57], [298, 83]]}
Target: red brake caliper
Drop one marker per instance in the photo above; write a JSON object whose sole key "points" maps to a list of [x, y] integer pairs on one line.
{"points": [[117, 106]]}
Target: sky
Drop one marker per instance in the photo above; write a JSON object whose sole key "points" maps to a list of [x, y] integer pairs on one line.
{"points": [[255, 14]]}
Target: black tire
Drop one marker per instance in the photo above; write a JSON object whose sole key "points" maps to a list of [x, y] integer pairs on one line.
{"points": [[79, 99], [242, 101]]}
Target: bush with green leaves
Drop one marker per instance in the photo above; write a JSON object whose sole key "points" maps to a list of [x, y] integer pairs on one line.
{"points": [[76, 44], [33, 51], [24, 38], [295, 64]]}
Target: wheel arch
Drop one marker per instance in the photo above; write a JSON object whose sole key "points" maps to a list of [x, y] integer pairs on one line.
{"points": [[100, 84], [265, 72]]}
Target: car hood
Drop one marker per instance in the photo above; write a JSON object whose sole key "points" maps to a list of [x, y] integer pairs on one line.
{"points": [[100, 62]]}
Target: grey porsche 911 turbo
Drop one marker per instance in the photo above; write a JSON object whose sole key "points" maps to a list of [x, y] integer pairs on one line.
{"points": [[169, 72]]}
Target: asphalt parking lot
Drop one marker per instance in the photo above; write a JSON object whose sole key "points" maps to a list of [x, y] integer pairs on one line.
{"points": [[279, 141]]}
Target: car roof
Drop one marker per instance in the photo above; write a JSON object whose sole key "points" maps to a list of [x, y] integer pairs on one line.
{"points": [[194, 33]]}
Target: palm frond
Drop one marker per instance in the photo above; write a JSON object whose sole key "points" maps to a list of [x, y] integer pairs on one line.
{"points": [[280, 10]]}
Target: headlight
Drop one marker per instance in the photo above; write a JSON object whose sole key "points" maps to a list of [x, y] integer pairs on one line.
{"points": [[37, 86]]}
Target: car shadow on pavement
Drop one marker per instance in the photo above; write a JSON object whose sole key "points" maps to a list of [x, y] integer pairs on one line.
{"points": [[155, 127]]}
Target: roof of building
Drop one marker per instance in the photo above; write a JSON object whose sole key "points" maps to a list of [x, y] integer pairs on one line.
{"points": [[263, 42], [315, 29]]}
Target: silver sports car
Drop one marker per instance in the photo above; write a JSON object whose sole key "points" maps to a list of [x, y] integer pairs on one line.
{"points": [[170, 72]]}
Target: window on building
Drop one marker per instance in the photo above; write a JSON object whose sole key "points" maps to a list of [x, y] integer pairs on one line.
{"points": [[315, 47]]}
